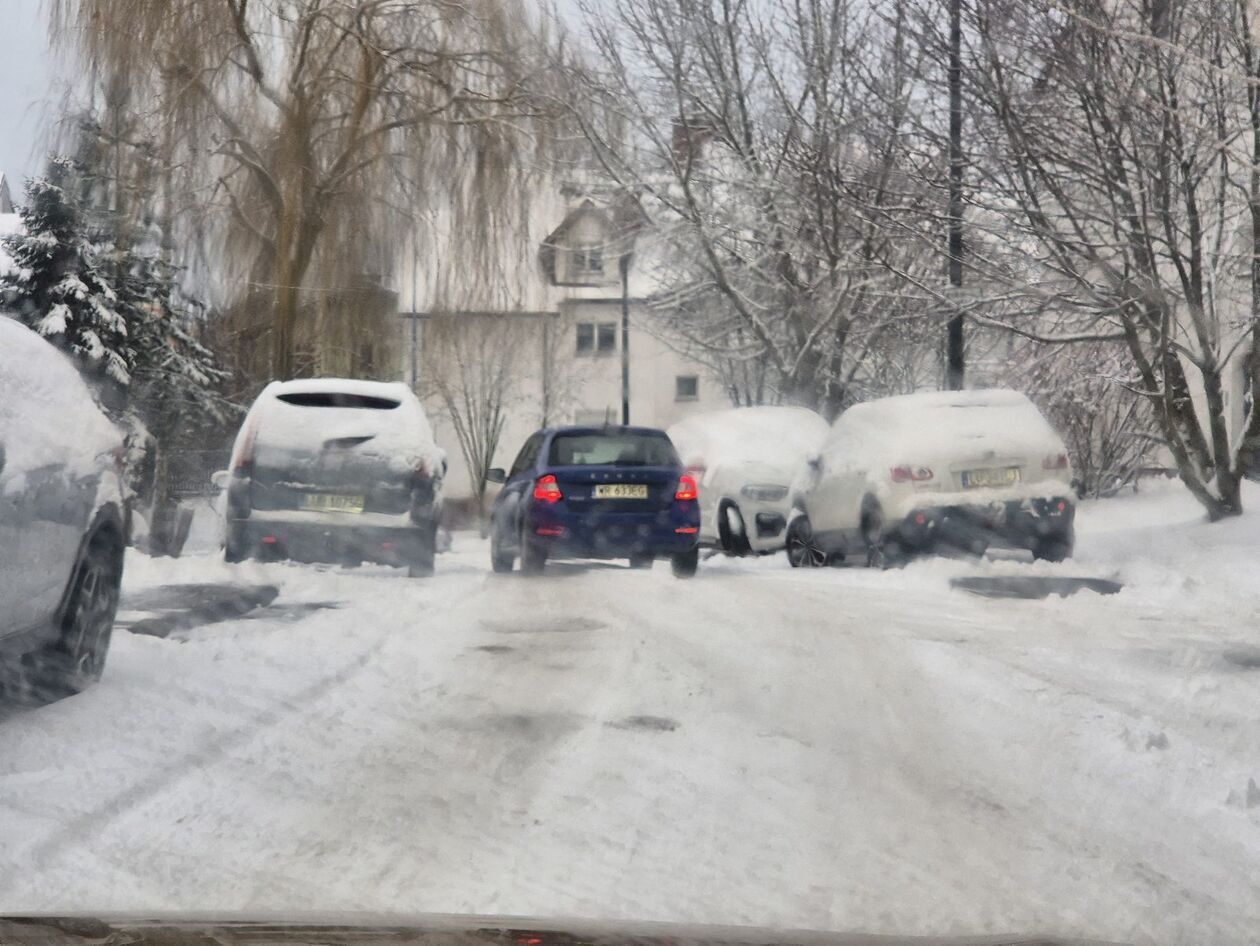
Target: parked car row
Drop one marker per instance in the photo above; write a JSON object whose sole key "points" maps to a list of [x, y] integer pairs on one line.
{"points": [[348, 471]]}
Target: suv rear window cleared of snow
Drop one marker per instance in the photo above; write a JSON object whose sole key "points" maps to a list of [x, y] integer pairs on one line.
{"points": [[338, 399], [630, 449]]}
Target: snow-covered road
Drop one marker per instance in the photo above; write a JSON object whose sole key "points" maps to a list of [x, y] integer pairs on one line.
{"points": [[839, 749]]}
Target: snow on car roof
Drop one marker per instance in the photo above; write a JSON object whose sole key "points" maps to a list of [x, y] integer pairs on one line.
{"points": [[934, 423], [394, 389], [768, 432], [401, 434]]}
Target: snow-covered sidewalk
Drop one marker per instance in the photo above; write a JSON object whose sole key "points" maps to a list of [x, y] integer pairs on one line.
{"points": [[837, 749]]}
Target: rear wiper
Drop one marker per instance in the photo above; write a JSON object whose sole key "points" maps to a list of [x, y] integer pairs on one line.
{"points": [[344, 443]]}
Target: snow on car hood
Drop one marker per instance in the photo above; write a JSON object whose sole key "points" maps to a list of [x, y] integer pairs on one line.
{"points": [[47, 413]]}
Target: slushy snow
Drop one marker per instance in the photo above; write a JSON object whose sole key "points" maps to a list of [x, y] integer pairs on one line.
{"points": [[840, 749]]}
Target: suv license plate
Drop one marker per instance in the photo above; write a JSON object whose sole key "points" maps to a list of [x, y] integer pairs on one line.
{"points": [[332, 502], [621, 491], [1005, 476]]}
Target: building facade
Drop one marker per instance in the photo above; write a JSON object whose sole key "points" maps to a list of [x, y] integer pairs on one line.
{"points": [[555, 363]]}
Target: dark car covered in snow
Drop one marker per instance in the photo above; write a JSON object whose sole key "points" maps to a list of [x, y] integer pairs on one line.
{"points": [[63, 519], [335, 470]]}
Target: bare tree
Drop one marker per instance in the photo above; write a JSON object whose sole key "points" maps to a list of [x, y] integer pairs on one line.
{"points": [[301, 118], [481, 367], [772, 145], [1121, 143]]}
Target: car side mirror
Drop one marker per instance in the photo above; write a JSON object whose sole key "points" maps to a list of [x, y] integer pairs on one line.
{"points": [[220, 479], [496, 475]]}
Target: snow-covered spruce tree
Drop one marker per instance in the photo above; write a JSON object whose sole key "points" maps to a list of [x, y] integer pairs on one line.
{"points": [[60, 287]]}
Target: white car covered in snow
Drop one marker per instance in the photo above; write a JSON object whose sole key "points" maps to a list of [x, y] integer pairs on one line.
{"points": [[923, 472], [335, 470], [744, 460]]}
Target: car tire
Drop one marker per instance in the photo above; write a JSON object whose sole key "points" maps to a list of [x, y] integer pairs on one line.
{"points": [[501, 562], [684, 564], [641, 561], [424, 563], [234, 548], [881, 551], [533, 557], [76, 659], [732, 530], [803, 551], [1053, 549]]}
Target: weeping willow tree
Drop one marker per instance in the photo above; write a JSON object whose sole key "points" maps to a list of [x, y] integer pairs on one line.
{"points": [[307, 133]]}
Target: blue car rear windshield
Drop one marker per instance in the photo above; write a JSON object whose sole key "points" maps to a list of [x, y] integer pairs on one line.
{"points": [[646, 448]]}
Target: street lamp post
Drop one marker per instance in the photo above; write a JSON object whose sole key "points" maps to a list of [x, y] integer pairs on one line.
{"points": [[625, 338]]}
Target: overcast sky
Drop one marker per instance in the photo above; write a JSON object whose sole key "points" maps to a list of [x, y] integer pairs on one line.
{"points": [[25, 88]]}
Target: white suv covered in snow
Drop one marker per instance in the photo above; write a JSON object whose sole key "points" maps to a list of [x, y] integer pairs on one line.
{"points": [[959, 470], [744, 460], [334, 470]]}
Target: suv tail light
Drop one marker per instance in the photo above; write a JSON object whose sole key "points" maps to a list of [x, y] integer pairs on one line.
{"points": [[1055, 461], [547, 490], [244, 460], [910, 474], [686, 491]]}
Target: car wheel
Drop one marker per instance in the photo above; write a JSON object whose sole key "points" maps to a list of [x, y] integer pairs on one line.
{"points": [[423, 565], [803, 551], [731, 530], [500, 561], [684, 564], [77, 659], [533, 557], [881, 550], [641, 561], [1053, 549], [234, 548]]}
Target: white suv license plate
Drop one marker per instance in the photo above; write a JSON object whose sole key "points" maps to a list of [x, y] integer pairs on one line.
{"points": [[621, 491], [331, 502], [977, 479]]}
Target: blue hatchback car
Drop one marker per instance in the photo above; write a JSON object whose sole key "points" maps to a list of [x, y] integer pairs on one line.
{"points": [[595, 492]]}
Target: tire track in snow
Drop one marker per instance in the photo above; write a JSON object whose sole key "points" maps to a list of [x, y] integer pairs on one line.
{"points": [[80, 828]]}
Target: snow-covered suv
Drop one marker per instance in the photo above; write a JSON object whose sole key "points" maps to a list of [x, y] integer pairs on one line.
{"points": [[63, 519], [335, 470], [921, 472]]}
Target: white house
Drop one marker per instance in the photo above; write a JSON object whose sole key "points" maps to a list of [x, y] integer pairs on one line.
{"points": [[564, 339]]}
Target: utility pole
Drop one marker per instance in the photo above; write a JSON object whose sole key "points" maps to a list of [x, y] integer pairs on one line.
{"points": [[956, 365], [625, 337]]}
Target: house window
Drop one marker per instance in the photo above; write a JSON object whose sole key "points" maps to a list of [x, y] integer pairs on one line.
{"points": [[588, 260], [596, 338], [686, 387]]}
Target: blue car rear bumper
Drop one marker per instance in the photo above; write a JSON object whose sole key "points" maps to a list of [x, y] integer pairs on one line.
{"points": [[570, 534]]}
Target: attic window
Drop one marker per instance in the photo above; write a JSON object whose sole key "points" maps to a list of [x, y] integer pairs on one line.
{"points": [[588, 260]]}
